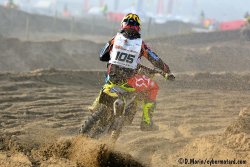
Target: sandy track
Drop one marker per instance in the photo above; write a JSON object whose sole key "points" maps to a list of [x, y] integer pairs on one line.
{"points": [[41, 106], [41, 111]]}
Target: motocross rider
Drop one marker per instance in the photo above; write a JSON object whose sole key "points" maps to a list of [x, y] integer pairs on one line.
{"points": [[123, 54]]}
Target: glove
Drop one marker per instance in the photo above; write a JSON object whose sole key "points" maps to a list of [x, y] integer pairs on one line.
{"points": [[170, 77]]}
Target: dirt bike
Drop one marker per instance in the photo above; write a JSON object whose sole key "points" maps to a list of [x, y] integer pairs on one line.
{"points": [[117, 107]]}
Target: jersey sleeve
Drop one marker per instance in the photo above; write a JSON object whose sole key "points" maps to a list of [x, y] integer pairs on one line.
{"points": [[154, 59], [105, 51]]}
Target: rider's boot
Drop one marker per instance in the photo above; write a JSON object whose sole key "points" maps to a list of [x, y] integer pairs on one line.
{"points": [[147, 123], [94, 106]]}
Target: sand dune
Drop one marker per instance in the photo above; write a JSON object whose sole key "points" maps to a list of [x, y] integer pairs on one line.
{"points": [[232, 144], [231, 55]]}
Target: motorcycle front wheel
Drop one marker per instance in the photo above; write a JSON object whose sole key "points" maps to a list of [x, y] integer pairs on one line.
{"points": [[98, 123]]}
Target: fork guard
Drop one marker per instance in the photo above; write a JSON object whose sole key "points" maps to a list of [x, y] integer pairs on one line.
{"points": [[107, 100], [118, 107]]}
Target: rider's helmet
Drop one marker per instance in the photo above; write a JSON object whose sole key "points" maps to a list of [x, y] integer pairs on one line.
{"points": [[131, 21]]}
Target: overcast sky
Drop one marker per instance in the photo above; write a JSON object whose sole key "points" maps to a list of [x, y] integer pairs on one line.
{"points": [[224, 9], [221, 10], [218, 9]]}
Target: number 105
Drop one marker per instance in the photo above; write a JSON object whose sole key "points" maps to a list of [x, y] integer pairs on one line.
{"points": [[125, 57]]}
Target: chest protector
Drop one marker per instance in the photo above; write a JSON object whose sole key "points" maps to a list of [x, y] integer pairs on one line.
{"points": [[125, 52]]}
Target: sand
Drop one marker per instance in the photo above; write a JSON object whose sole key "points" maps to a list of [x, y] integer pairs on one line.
{"points": [[47, 85]]}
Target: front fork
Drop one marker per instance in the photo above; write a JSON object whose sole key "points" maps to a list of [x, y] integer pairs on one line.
{"points": [[118, 109]]}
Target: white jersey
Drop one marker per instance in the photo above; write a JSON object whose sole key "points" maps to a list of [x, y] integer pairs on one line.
{"points": [[125, 52]]}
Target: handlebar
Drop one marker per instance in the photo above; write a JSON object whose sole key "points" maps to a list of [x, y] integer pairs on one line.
{"points": [[156, 71], [151, 71]]}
